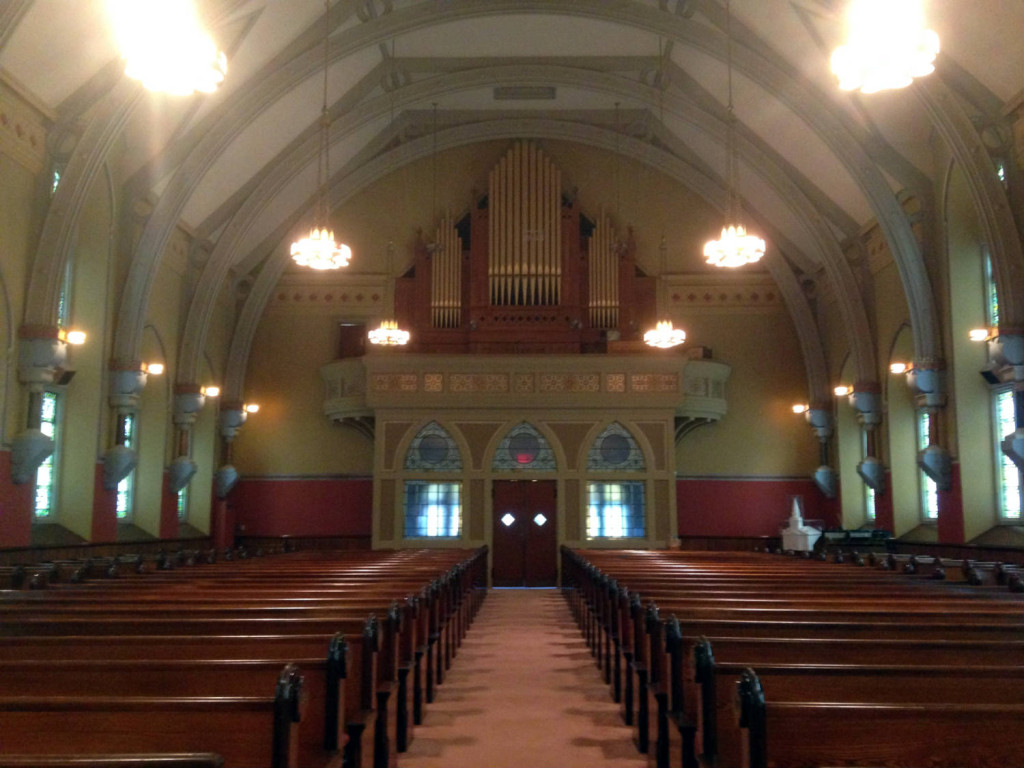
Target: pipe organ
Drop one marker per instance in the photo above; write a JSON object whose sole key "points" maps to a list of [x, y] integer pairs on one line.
{"points": [[524, 236], [446, 276], [603, 251], [524, 271]]}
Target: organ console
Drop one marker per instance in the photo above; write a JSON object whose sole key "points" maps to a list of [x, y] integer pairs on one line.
{"points": [[524, 271]]}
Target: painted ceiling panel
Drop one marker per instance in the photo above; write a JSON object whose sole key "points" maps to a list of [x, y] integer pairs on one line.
{"points": [[780, 128], [58, 46], [278, 24], [985, 37], [298, 193], [521, 35], [266, 136]]}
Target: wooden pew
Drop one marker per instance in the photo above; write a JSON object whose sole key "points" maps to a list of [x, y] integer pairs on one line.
{"points": [[323, 685], [718, 739], [251, 731], [614, 621], [116, 760], [87, 612], [790, 734]]}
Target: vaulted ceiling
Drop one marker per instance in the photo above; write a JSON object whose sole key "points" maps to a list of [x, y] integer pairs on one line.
{"points": [[646, 78]]}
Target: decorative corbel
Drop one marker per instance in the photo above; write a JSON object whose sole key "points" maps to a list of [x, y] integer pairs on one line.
{"points": [[1008, 351], [866, 399], [232, 417], [42, 353], [824, 476], [126, 384], [928, 380], [188, 401]]}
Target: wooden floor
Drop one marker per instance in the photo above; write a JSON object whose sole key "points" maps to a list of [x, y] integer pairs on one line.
{"points": [[524, 692]]}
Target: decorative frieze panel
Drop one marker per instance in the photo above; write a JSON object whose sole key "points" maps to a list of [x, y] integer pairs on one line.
{"points": [[22, 135], [703, 293], [654, 382], [693, 388], [570, 382], [393, 382], [354, 297], [478, 382]]}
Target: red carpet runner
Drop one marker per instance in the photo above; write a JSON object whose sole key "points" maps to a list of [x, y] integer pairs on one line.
{"points": [[524, 692]]}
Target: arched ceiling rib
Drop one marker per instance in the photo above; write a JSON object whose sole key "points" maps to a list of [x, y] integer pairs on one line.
{"points": [[809, 145]]}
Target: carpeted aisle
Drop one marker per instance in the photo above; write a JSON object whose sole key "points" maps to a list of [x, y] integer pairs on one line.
{"points": [[523, 692]]}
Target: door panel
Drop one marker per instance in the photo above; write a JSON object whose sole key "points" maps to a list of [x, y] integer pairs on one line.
{"points": [[524, 549]]}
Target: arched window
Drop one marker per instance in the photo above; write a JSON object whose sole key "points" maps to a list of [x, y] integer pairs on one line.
{"points": [[615, 450], [615, 507], [524, 448], [45, 504], [433, 508], [433, 450]]}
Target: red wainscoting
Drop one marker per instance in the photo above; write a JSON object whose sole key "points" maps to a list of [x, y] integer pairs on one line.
{"points": [[951, 511], [104, 509], [303, 506], [15, 507], [884, 513], [734, 506]]}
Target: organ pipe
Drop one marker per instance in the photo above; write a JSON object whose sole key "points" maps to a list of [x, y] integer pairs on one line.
{"points": [[604, 276], [524, 229], [446, 276]]}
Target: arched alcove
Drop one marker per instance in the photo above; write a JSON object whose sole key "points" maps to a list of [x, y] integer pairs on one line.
{"points": [[850, 452], [905, 481]]}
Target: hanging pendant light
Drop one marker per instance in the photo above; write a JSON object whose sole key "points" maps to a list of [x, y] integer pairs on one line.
{"points": [[319, 250], [389, 334], [663, 335], [887, 46], [735, 247], [166, 47]]}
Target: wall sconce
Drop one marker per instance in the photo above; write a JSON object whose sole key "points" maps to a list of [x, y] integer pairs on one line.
{"points": [[842, 390], [71, 337], [981, 334], [898, 368], [251, 407], [154, 368], [210, 391], [799, 408]]}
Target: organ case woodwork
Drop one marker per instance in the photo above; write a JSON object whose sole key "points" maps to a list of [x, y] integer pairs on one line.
{"points": [[524, 271]]}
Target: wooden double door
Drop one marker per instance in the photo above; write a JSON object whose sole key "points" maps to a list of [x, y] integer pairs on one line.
{"points": [[524, 551]]}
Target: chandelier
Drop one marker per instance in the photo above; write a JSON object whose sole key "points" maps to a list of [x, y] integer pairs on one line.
{"points": [[664, 335], [319, 250], [887, 47], [735, 247], [165, 46], [389, 334]]}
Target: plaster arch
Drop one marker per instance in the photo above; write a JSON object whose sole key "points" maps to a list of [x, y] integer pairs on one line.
{"points": [[350, 183], [901, 426], [760, 66], [7, 344], [290, 164]]}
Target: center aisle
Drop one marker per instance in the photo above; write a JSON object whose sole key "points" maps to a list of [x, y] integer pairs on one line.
{"points": [[523, 692]]}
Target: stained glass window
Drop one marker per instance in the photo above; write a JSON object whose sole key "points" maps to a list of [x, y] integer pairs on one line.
{"points": [[432, 510], [929, 489], [1008, 474], [46, 475], [615, 510], [126, 488], [433, 450], [615, 450], [183, 504], [524, 448]]}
